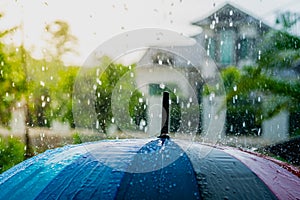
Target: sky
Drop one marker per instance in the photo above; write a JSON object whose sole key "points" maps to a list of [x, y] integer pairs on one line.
{"points": [[95, 21]]}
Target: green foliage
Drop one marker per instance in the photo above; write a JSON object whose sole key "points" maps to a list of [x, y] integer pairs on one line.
{"points": [[63, 94], [12, 82], [118, 80], [11, 152], [76, 138], [137, 108], [287, 20], [243, 110], [280, 50], [61, 39], [231, 76]]}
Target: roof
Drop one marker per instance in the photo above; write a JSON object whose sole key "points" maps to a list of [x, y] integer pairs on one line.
{"points": [[229, 12], [168, 55]]}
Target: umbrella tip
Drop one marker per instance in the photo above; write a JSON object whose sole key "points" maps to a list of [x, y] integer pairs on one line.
{"points": [[164, 136]]}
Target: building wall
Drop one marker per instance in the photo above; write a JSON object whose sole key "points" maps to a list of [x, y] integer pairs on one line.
{"points": [[241, 41]]}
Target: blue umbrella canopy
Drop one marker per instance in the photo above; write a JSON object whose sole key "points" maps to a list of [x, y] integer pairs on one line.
{"points": [[147, 169]]}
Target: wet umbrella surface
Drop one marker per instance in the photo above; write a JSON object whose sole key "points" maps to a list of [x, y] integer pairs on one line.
{"points": [[147, 169]]}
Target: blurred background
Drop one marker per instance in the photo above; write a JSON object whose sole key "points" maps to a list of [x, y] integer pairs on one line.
{"points": [[44, 44]]}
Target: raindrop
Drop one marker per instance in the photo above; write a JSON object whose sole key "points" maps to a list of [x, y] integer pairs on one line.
{"points": [[212, 25], [235, 88], [113, 120], [43, 104], [97, 124], [162, 86], [259, 23], [140, 100], [99, 82], [231, 12], [258, 99], [42, 83], [131, 74], [94, 87]]}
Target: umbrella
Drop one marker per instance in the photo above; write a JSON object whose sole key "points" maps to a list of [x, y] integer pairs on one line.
{"points": [[148, 169]]}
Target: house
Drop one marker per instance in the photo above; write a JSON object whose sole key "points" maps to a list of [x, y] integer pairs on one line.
{"points": [[232, 37], [229, 37]]}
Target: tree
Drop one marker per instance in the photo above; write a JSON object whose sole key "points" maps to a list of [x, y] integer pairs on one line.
{"points": [[108, 81], [244, 109], [287, 20], [275, 73], [61, 39], [63, 95], [12, 78]]}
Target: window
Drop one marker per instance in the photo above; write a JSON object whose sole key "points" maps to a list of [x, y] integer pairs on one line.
{"points": [[227, 47], [246, 48]]}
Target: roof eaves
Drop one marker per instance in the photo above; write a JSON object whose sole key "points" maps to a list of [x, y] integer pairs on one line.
{"points": [[205, 20]]}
